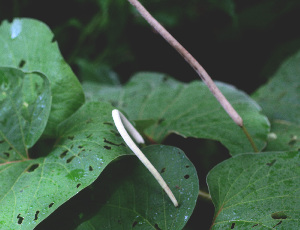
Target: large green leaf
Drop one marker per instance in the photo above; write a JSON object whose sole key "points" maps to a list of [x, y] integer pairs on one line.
{"points": [[280, 101], [186, 109], [32, 189], [29, 45], [257, 191], [136, 201], [25, 102]]}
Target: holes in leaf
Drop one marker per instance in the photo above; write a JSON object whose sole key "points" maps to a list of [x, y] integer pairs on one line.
{"points": [[254, 225], [71, 138], [22, 63], [80, 146], [271, 163], [2, 141], [6, 154], [50, 205], [108, 123], [134, 224], [156, 227], [36, 216], [277, 224], [78, 185], [232, 226], [111, 143], [63, 154], [70, 159], [187, 176], [33, 167], [278, 215], [91, 168], [107, 147], [165, 78], [115, 133], [162, 170], [20, 219], [160, 121], [187, 166], [89, 136]]}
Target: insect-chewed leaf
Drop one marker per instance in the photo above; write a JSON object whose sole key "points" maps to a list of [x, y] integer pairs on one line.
{"points": [[28, 44], [34, 188], [185, 109], [136, 201], [257, 191]]}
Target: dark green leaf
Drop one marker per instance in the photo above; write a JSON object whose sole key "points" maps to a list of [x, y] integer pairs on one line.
{"points": [[257, 191], [280, 101], [25, 102], [136, 201], [186, 109], [32, 189], [29, 45]]}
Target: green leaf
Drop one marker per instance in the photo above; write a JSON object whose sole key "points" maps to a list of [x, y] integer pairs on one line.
{"points": [[136, 201], [189, 110], [32, 189], [280, 101], [29, 45], [257, 191], [25, 102]]}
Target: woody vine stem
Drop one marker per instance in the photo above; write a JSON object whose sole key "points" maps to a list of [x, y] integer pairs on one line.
{"points": [[196, 66]]}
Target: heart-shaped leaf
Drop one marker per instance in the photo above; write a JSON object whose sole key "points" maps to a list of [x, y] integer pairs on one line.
{"points": [[280, 100], [32, 189], [186, 109], [25, 102], [29, 45], [257, 191], [136, 201]]}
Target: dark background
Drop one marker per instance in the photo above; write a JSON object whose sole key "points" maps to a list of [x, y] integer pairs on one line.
{"points": [[238, 42]]}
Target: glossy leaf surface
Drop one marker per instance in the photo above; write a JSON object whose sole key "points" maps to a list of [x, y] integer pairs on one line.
{"points": [[136, 201], [32, 189], [29, 45], [257, 191], [185, 109]]}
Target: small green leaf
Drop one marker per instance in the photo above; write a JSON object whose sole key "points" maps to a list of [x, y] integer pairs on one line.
{"points": [[280, 101], [29, 45], [257, 191], [136, 201], [32, 189], [25, 104], [189, 110]]}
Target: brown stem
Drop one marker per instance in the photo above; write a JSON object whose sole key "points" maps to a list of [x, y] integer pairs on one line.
{"points": [[196, 66], [191, 60]]}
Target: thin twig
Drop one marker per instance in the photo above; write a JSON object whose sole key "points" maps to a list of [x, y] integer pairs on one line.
{"points": [[195, 65], [119, 119]]}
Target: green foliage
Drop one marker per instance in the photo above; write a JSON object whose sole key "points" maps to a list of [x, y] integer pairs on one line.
{"points": [[256, 191], [29, 45], [171, 105], [63, 164], [135, 200], [283, 90], [24, 110]]}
